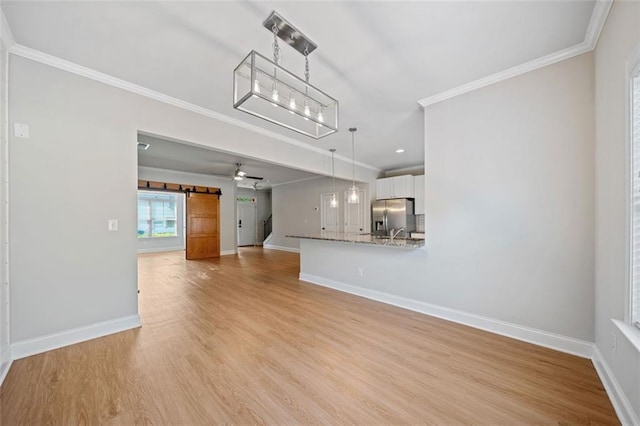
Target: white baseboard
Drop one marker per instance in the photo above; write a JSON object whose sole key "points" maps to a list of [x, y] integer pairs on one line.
{"points": [[4, 369], [52, 341], [159, 249], [281, 248], [5, 353], [558, 342], [620, 403]]}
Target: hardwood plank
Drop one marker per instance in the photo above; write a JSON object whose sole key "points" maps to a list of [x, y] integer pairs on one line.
{"points": [[239, 339]]}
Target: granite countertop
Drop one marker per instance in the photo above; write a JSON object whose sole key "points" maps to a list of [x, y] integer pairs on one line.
{"points": [[401, 242]]}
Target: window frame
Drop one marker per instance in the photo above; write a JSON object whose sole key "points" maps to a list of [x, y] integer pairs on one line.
{"points": [[628, 327], [177, 219]]}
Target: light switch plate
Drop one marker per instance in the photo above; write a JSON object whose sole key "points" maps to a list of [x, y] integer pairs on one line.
{"points": [[21, 130], [112, 224]]}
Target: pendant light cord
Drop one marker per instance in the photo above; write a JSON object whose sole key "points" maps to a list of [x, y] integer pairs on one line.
{"points": [[276, 47], [333, 170], [353, 156], [276, 57], [306, 65]]}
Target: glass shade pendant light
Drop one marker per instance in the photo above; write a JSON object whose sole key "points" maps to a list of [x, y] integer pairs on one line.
{"points": [[333, 203], [261, 86], [256, 85], [354, 192], [292, 103], [307, 110]]}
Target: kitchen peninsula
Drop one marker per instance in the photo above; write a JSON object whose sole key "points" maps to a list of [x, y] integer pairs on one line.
{"points": [[343, 237], [360, 264]]}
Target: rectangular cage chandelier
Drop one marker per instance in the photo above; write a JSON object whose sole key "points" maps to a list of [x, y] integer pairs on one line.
{"points": [[263, 88]]}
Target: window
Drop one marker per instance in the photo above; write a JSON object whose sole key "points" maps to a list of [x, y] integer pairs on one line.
{"points": [[635, 202], [156, 215]]}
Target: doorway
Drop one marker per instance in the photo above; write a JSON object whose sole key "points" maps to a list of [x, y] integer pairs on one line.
{"points": [[355, 213], [328, 215], [246, 223]]}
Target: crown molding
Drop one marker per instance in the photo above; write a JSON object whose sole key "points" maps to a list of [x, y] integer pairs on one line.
{"points": [[405, 169], [596, 24], [506, 74], [5, 31], [598, 19], [54, 61], [296, 181], [219, 180]]}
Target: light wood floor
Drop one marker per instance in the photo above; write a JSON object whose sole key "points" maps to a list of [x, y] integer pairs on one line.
{"points": [[240, 340]]}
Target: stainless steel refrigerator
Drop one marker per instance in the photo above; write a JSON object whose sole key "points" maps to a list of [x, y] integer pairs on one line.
{"points": [[393, 214]]}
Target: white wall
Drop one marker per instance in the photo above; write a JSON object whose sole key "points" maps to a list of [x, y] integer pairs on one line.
{"points": [[227, 200], [296, 208], [509, 177], [510, 199], [78, 169], [620, 39]]}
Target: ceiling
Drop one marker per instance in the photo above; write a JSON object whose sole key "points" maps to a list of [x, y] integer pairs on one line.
{"points": [[170, 155], [378, 58]]}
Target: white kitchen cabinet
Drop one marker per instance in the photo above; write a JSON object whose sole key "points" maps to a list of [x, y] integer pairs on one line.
{"points": [[403, 187], [395, 187], [384, 188], [418, 204]]}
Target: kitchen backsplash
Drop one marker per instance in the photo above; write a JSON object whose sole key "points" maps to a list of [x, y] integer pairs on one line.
{"points": [[419, 223]]}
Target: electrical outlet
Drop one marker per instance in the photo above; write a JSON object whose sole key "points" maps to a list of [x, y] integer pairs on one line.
{"points": [[360, 272], [614, 342]]}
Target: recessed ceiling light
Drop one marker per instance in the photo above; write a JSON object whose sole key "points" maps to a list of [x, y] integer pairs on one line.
{"points": [[399, 151]]}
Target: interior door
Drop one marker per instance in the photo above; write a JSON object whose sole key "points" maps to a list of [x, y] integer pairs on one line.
{"points": [[203, 226], [354, 213], [246, 224], [328, 215]]}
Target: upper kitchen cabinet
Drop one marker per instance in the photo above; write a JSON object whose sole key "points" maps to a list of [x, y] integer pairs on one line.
{"points": [[418, 205], [395, 187], [384, 188]]}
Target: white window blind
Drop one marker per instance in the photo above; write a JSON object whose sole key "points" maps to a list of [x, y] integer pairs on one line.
{"points": [[635, 222], [156, 215]]}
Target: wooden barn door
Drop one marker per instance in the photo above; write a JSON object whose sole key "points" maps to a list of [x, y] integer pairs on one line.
{"points": [[203, 219]]}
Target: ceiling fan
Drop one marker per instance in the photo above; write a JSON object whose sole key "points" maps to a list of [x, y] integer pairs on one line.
{"points": [[239, 174], [260, 185], [257, 185]]}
